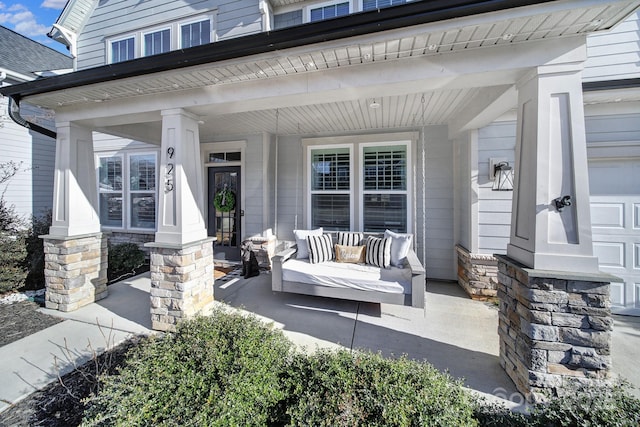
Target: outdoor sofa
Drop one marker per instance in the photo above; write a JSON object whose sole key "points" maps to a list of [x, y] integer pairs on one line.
{"points": [[379, 268]]}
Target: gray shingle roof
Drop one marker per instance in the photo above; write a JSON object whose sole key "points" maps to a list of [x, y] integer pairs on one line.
{"points": [[25, 56]]}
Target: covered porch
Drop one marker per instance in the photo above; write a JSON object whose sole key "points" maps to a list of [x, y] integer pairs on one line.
{"points": [[427, 81]]}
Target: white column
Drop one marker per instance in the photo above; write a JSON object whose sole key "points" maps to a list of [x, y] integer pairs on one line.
{"points": [[551, 162], [181, 195], [75, 194]]}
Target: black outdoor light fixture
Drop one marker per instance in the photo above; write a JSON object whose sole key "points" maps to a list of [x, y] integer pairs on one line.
{"points": [[562, 202], [502, 175]]}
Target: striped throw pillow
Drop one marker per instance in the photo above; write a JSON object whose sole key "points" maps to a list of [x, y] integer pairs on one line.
{"points": [[350, 239], [378, 251], [320, 248]]}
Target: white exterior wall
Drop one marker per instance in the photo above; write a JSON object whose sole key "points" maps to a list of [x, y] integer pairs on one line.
{"points": [[497, 140], [614, 54], [607, 136], [438, 193], [290, 199], [30, 190], [112, 19]]}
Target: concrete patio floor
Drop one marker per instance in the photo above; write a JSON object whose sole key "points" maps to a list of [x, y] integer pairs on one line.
{"points": [[453, 333]]}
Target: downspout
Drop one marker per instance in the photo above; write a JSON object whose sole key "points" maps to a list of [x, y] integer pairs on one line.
{"points": [[14, 113]]}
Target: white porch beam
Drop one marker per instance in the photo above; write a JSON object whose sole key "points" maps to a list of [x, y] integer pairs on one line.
{"points": [[181, 195], [75, 194], [484, 108]]}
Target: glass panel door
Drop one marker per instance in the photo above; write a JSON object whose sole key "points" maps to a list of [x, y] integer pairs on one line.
{"points": [[225, 212]]}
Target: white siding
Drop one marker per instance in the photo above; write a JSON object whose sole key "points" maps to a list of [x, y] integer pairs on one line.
{"points": [[109, 19], [438, 195], [614, 54], [31, 190], [497, 140], [289, 182]]}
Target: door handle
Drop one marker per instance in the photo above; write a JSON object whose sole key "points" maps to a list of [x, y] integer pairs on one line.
{"points": [[241, 212]]}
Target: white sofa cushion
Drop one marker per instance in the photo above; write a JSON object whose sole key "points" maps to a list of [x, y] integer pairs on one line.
{"points": [[301, 240]]}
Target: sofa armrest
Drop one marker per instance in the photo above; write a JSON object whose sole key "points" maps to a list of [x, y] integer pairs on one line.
{"points": [[418, 279], [276, 267]]}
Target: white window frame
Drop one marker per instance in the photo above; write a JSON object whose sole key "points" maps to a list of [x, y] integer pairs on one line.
{"points": [[175, 37], [126, 188], [143, 43], [409, 174], [310, 192], [208, 17], [356, 145], [110, 42], [309, 8]]}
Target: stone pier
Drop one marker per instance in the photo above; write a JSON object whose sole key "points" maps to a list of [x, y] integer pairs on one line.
{"points": [[554, 328], [477, 274], [75, 270], [181, 281]]}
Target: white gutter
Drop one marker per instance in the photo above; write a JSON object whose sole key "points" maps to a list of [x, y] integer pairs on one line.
{"points": [[15, 76]]}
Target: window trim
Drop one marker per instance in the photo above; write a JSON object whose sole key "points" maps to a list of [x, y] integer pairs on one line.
{"points": [[356, 144], [154, 30], [175, 35], [126, 188], [110, 42], [193, 20], [409, 174], [307, 9], [309, 192]]}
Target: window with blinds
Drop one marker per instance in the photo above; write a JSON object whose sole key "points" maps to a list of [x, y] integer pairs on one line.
{"points": [[331, 188], [110, 178], [384, 178], [360, 186]]}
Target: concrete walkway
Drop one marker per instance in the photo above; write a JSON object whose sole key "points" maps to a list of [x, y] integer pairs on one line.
{"points": [[453, 333]]}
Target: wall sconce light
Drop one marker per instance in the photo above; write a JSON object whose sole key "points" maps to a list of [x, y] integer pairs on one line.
{"points": [[562, 202], [501, 174]]}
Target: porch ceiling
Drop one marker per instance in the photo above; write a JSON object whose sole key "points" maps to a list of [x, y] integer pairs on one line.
{"points": [[437, 106]]}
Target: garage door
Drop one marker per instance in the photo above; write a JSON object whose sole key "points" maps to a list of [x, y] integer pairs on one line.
{"points": [[615, 218]]}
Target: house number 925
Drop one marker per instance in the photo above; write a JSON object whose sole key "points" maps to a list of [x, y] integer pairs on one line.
{"points": [[168, 181]]}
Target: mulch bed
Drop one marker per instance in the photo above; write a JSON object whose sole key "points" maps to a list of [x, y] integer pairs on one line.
{"points": [[22, 319], [60, 404]]}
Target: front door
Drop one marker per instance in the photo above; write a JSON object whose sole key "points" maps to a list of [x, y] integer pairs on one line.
{"points": [[224, 212]]}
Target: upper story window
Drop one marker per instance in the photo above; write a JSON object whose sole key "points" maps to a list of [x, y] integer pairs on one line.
{"points": [[123, 50], [195, 33], [328, 11], [379, 4], [157, 42]]}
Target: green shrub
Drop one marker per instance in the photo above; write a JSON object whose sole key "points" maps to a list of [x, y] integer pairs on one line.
{"points": [[365, 389], [220, 370], [124, 259], [230, 370], [580, 406], [35, 251], [13, 249], [590, 406]]}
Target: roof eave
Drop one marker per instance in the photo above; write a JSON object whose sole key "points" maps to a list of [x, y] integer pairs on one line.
{"points": [[414, 13]]}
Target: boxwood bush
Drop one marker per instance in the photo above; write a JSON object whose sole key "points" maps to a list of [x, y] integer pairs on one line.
{"points": [[220, 370], [232, 370]]}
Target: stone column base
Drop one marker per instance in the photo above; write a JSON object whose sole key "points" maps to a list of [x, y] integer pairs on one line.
{"points": [[181, 282], [75, 270], [554, 328], [477, 274]]}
